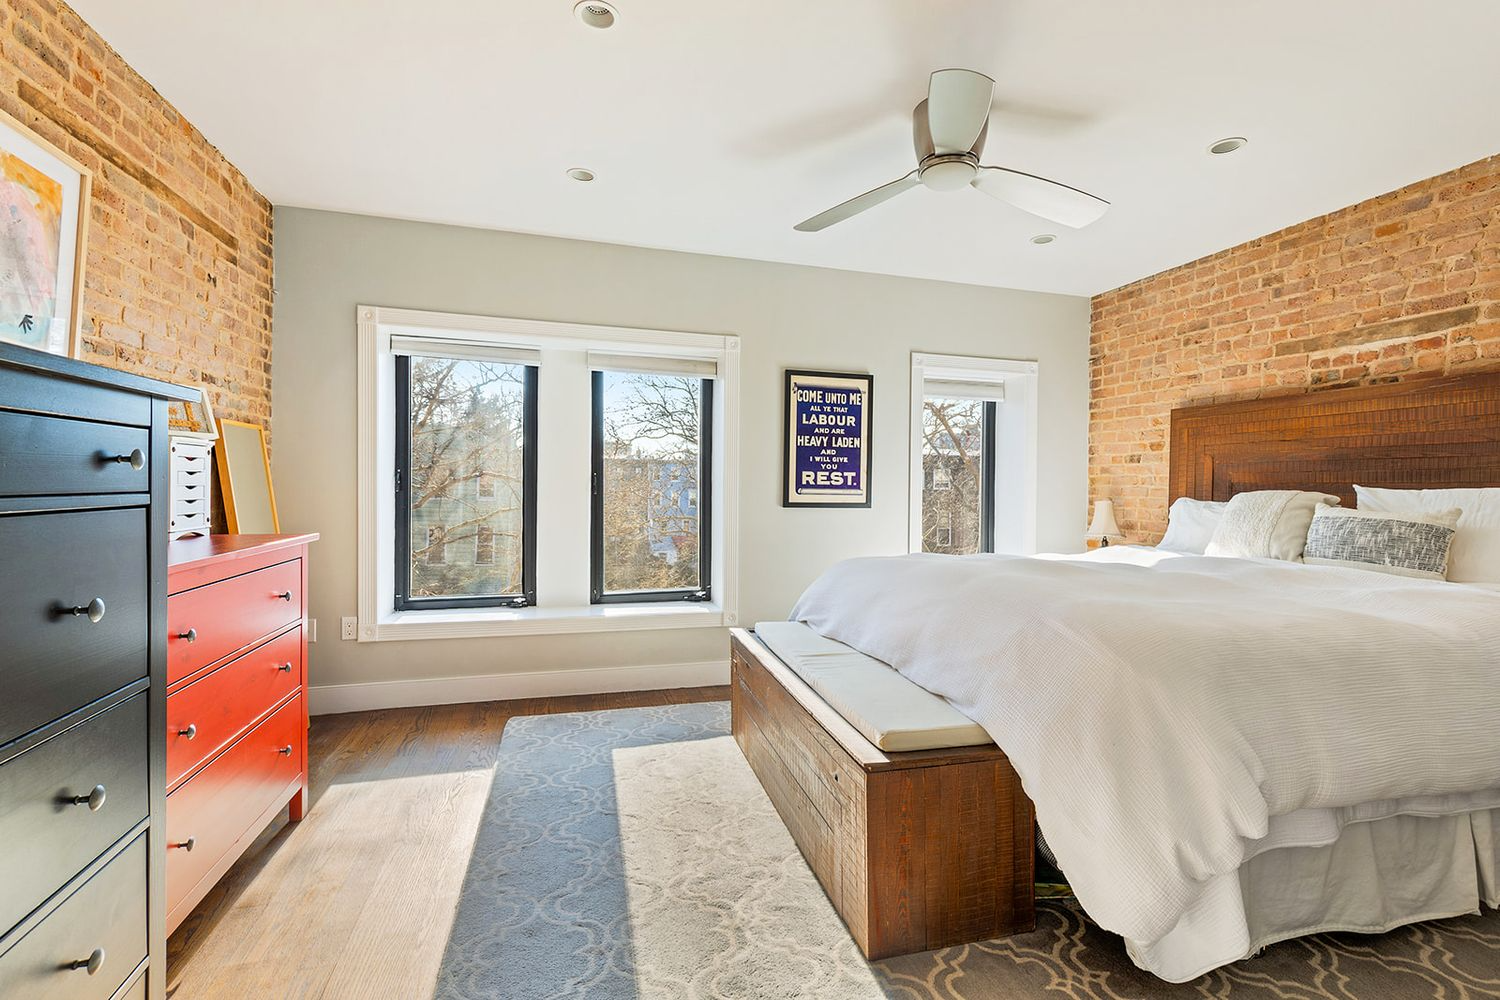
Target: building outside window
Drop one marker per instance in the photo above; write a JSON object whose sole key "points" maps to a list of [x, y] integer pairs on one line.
{"points": [[651, 465], [957, 449], [459, 547]]}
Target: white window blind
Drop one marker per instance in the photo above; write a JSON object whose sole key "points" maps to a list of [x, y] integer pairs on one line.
{"points": [[646, 364], [952, 388], [465, 350]]}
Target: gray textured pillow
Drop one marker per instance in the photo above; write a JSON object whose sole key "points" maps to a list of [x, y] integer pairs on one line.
{"points": [[1414, 545]]}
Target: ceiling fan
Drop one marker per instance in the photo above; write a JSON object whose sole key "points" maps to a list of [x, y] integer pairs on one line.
{"points": [[949, 129]]}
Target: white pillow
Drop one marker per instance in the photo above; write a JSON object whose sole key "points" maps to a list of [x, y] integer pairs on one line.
{"points": [[1476, 547], [1191, 524], [1267, 524], [1409, 544]]}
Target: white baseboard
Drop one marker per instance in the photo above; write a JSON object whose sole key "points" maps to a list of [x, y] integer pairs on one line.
{"points": [[331, 699]]}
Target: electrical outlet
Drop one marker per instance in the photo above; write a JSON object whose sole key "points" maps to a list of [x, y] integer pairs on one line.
{"points": [[312, 630], [350, 628]]}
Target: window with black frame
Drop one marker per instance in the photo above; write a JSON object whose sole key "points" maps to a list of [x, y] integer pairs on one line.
{"points": [[652, 484], [958, 463], [465, 480]]}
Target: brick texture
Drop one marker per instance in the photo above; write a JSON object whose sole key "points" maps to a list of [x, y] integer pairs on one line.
{"points": [[178, 274], [1400, 286]]}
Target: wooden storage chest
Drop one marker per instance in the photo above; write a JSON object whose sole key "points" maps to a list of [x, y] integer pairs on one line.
{"points": [[915, 850]]}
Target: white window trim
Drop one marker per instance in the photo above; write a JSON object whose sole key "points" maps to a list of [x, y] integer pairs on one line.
{"points": [[378, 619], [981, 371]]}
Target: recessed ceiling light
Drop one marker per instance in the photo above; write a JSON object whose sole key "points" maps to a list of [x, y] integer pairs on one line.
{"points": [[1043, 239], [595, 13], [1228, 145], [581, 174]]}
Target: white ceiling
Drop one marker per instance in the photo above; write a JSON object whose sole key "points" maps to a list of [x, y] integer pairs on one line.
{"points": [[714, 127]]}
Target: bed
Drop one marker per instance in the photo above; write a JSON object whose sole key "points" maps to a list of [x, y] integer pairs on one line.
{"points": [[1224, 752]]}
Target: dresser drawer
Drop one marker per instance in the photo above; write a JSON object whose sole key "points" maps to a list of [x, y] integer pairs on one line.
{"points": [[54, 455], [186, 496], [105, 917], [208, 623], [195, 474], [137, 989], [55, 661], [47, 836], [209, 713], [188, 522], [189, 504], [216, 806]]}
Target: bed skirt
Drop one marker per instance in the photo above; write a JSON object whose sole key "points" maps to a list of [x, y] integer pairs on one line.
{"points": [[1374, 876]]}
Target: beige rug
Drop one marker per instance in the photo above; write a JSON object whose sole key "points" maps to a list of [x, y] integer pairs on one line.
{"points": [[632, 854]]}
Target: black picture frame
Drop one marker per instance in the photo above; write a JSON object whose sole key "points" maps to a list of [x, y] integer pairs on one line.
{"points": [[860, 499]]}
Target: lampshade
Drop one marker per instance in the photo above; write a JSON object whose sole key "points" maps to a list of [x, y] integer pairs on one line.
{"points": [[1103, 526]]}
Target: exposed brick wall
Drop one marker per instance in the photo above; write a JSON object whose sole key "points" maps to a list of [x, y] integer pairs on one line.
{"points": [[178, 273], [1403, 285]]}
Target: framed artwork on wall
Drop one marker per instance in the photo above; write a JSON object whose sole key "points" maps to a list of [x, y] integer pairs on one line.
{"points": [[826, 439], [44, 211]]}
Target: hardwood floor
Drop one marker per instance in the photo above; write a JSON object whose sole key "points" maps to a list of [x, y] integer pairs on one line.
{"points": [[356, 900]]}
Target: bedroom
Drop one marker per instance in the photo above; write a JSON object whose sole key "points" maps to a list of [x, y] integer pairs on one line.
{"points": [[524, 332]]}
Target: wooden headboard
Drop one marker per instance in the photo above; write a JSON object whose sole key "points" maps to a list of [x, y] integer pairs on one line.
{"points": [[1432, 433]]}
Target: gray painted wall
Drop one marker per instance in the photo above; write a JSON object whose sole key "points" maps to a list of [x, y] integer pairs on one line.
{"points": [[785, 315]]}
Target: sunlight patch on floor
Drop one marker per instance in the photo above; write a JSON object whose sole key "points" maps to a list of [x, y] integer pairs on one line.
{"points": [[377, 864]]}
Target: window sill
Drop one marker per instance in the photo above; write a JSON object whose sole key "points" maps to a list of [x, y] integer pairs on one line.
{"points": [[466, 623]]}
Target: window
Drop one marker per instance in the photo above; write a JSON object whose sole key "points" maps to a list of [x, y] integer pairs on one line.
{"points": [[652, 437], [973, 455], [454, 415], [958, 444], [479, 441]]}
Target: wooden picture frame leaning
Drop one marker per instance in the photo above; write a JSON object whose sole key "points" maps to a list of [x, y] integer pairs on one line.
{"points": [[244, 465]]}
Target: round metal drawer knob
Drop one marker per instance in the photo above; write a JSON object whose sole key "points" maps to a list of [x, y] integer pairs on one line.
{"points": [[285, 751], [285, 668], [285, 595], [94, 799], [190, 732], [92, 963], [94, 609], [136, 459], [191, 635], [186, 845]]}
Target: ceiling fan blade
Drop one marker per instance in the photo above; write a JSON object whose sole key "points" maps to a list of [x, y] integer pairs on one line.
{"points": [[1039, 196], [858, 204], [958, 105]]}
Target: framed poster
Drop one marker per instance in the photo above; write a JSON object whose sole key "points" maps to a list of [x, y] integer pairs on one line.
{"points": [[826, 432], [44, 210]]}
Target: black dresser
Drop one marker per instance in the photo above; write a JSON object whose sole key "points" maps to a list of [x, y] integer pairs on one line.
{"points": [[83, 617]]}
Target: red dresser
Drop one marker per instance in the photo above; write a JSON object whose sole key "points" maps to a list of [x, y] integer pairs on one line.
{"points": [[236, 701]]}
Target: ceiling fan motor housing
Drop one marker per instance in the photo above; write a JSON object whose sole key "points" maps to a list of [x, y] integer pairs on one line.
{"points": [[948, 172]]}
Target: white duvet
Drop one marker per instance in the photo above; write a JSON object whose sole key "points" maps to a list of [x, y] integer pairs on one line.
{"points": [[1162, 710]]}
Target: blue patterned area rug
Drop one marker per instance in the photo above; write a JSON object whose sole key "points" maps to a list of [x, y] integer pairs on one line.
{"points": [[632, 855]]}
